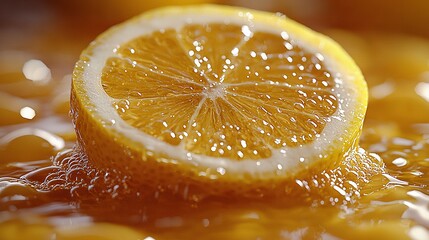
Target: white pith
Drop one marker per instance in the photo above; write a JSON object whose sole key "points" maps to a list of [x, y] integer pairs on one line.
{"points": [[282, 160]]}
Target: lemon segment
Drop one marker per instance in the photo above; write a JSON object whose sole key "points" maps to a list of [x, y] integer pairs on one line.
{"points": [[198, 93]]}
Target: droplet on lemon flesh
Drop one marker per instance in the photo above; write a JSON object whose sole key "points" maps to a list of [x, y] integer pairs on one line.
{"points": [[217, 100]]}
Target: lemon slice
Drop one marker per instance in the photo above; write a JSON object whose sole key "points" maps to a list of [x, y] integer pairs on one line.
{"points": [[219, 97]]}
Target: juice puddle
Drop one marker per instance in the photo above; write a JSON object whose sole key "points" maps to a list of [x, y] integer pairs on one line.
{"points": [[47, 191]]}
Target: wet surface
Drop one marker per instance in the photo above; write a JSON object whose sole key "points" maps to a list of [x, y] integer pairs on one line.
{"points": [[47, 191]]}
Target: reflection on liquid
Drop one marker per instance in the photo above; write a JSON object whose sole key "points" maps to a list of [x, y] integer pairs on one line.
{"points": [[56, 142], [418, 210], [382, 90], [400, 162], [422, 89], [36, 70], [27, 113]]}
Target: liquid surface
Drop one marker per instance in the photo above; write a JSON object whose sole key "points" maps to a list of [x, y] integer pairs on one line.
{"points": [[47, 193]]}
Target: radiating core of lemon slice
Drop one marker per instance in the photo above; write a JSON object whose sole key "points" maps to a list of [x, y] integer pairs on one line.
{"points": [[216, 92]]}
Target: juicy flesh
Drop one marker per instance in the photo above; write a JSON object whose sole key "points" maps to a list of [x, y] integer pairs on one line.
{"points": [[230, 92]]}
